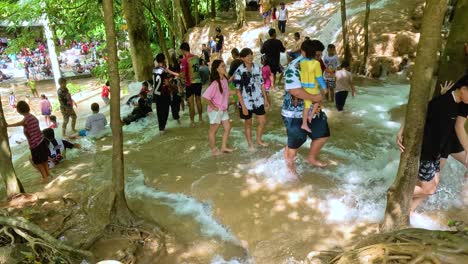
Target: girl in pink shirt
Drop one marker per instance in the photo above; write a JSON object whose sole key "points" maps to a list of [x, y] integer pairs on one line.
{"points": [[268, 78], [217, 98], [46, 108], [37, 144]]}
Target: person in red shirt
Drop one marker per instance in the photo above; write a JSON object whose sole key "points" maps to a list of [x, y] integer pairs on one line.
{"points": [[190, 69], [105, 93]]}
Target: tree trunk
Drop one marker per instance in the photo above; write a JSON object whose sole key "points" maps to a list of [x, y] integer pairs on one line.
{"points": [[120, 211], [162, 39], [347, 50], [186, 14], [240, 13], [7, 171], [454, 63], [366, 38], [178, 19], [140, 50], [213, 8], [399, 195], [195, 10]]}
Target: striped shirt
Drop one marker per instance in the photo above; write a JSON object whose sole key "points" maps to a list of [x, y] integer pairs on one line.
{"points": [[32, 131]]}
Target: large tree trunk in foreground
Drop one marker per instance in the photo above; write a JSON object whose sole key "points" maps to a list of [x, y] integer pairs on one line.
{"points": [[7, 171], [453, 64], [140, 49], [162, 40], [399, 196], [186, 13], [120, 211], [344, 24], [195, 10], [240, 13], [366, 39], [213, 8]]}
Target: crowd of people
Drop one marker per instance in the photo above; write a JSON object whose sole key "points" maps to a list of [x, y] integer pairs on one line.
{"points": [[314, 72]]}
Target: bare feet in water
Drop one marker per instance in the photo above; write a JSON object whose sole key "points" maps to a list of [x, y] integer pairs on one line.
{"points": [[251, 148], [263, 144], [317, 163], [216, 152], [227, 150]]}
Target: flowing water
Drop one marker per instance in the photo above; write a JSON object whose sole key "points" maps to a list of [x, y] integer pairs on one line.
{"points": [[243, 207]]}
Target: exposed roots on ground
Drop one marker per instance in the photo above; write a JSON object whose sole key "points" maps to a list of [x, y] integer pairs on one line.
{"points": [[44, 247], [130, 244], [409, 246]]}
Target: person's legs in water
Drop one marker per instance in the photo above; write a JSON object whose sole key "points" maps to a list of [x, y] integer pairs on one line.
{"points": [[44, 170], [73, 123], [227, 129], [66, 119], [199, 108], [175, 107], [212, 139], [261, 125], [340, 100], [162, 112], [191, 102], [315, 147], [248, 133], [424, 189]]}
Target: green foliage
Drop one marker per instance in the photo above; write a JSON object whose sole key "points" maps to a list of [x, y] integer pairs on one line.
{"points": [[225, 5], [25, 39], [74, 88], [100, 71]]}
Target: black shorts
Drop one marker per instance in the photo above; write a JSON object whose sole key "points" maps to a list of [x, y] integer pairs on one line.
{"points": [[453, 146], [40, 154], [194, 89], [258, 111], [428, 169]]}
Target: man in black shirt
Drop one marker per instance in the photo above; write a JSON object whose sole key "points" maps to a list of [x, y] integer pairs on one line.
{"points": [[445, 114], [219, 40], [272, 49]]}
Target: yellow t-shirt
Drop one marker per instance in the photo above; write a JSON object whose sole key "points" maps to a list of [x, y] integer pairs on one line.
{"points": [[266, 6], [310, 70]]}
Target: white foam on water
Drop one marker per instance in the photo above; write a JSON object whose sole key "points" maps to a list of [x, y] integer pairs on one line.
{"points": [[272, 170], [183, 205], [421, 221], [217, 259]]}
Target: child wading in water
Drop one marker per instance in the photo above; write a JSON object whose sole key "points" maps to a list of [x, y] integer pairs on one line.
{"points": [[37, 143], [268, 78], [217, 97], [311, 76]]}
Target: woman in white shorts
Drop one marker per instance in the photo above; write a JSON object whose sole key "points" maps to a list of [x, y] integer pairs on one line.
{"points": [[217, 98]]}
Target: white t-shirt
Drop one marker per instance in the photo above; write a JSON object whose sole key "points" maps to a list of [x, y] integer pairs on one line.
{"points": [[95, 123], [282, 14], [331, 62], [344, 80]]}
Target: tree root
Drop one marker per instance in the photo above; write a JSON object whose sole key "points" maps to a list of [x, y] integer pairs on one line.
{"points": [[409, 246], [41, 243]]}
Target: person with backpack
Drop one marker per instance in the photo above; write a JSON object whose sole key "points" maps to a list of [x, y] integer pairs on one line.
{"points": [[161, 92], [190, 70]]}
